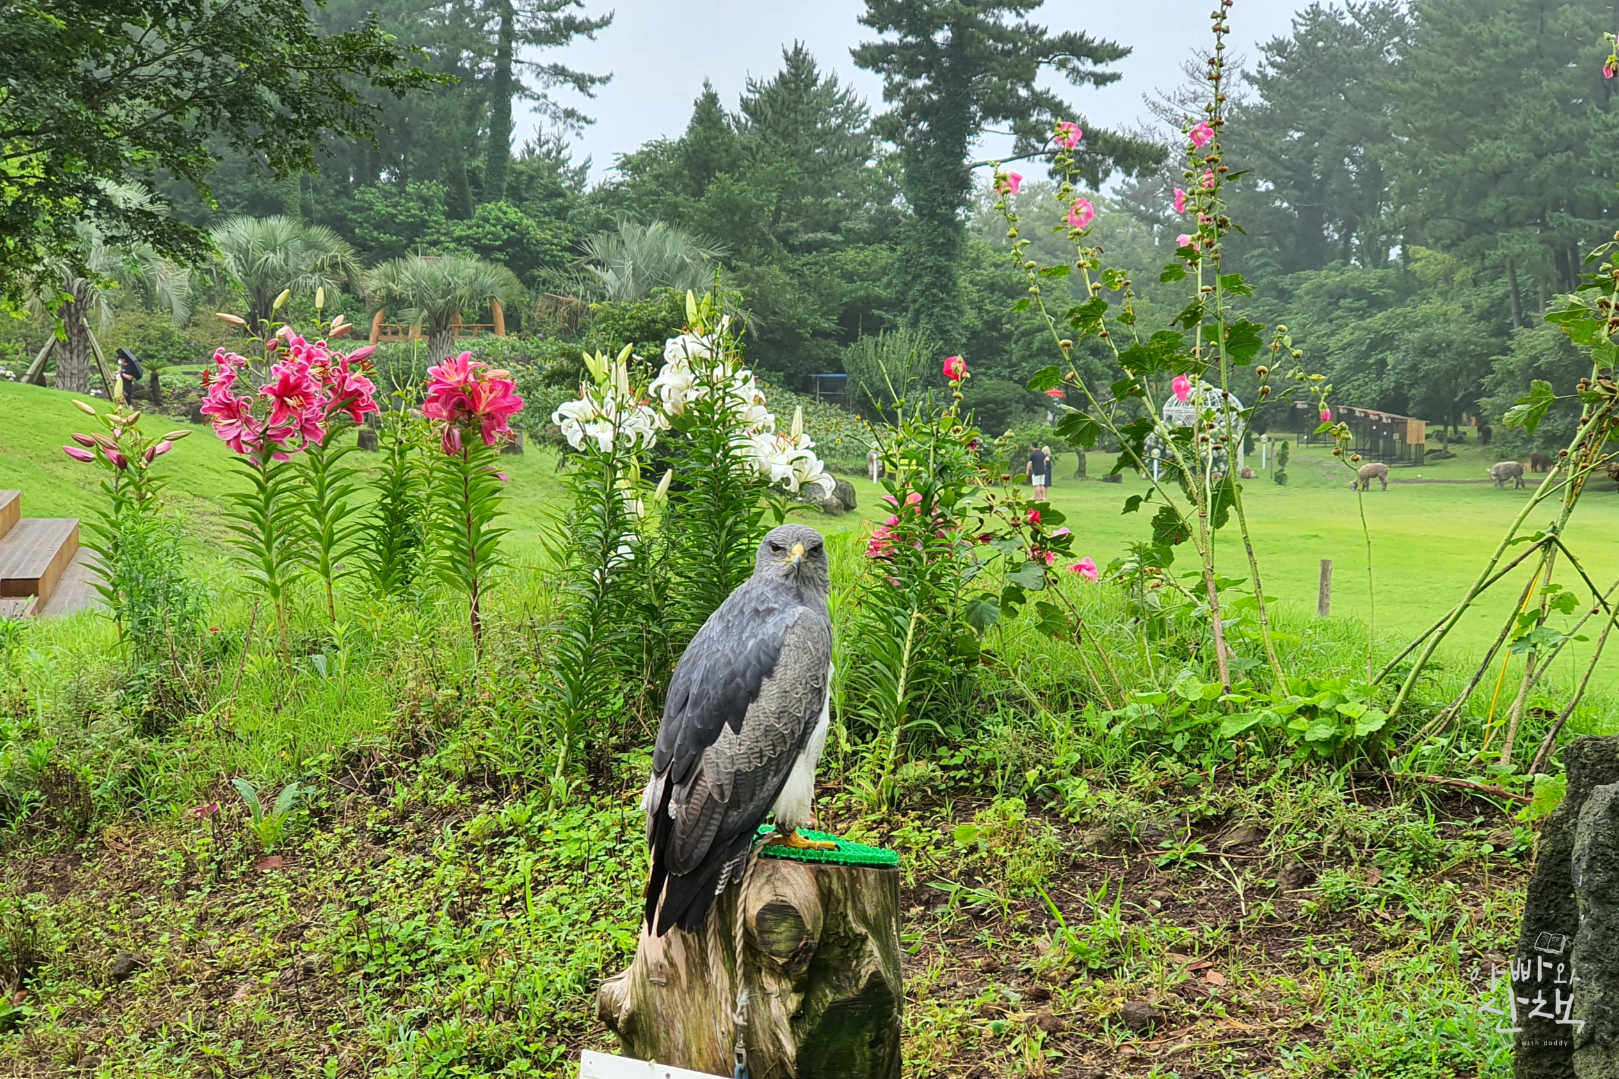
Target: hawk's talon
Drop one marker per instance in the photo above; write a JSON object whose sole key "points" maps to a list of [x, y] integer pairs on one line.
{"points": [[797, 842]]}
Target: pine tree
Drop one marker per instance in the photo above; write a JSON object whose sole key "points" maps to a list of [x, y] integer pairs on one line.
{"points": [[949, 70]]}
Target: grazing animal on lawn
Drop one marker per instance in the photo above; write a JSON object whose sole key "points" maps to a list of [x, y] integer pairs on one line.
{"points": [[1502, 471], [1539, 462], [742, 730], [1376, 470], [1246, 473]]}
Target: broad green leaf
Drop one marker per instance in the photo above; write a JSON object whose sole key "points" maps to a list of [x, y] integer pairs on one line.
{"points": [[982, 612], [1060, 270], [1370, 722], [1528, 411], [1047, 378], [1233, 725], [1032, 576]]}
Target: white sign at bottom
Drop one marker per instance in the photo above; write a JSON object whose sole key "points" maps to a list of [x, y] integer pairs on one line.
{"points": [[606, 1066]]}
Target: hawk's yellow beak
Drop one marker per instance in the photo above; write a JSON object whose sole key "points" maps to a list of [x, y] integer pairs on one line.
{"points": [[798, 554]]}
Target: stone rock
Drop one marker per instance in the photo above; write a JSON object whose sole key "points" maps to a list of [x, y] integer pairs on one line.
{"points": [[1037, 994], [366, 440], [1596, 948], [1140, 1016], [1244, 835], [813, 494], [1049, 1023], [844, 492], [124, 965], [1096, 839], [1551, 917], [196, 415], [1290, 878]]}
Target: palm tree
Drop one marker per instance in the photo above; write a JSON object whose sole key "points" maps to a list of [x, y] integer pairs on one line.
{"points": [[432, 291], [268, 255], [73, 298], [630, 260]]}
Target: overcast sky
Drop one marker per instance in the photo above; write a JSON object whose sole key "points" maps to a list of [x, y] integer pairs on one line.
{"points": [[660, 51]]}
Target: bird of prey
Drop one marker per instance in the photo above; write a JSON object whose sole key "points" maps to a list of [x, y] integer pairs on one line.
{"points": [[743, 728]]}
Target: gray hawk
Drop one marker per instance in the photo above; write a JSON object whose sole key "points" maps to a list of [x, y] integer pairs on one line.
{"points": [[742, 730]]}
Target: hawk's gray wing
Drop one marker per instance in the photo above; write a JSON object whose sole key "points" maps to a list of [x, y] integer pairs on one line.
{"points": [[743, 702]]}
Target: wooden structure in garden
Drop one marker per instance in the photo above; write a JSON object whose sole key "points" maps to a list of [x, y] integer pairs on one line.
{"points": [[1378, 436], [800, 963], [382, 330], [41, 570]]}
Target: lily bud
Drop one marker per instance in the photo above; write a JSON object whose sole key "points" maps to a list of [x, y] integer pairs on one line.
{"points": [[361, 353], [281, 300], [118, 459], [175, 436], [320, 297], [88, 410], [84, 440], [338, 331], [79, 455], [232, 319], [663, 486]]}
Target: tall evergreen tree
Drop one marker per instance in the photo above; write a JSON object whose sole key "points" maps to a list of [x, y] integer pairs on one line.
{"points": [[536, 24], [1504, 132], [949, 70], [1317, 133]]}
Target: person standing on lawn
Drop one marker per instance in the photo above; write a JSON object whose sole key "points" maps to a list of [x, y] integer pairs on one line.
{"points": [[1039, 464]]}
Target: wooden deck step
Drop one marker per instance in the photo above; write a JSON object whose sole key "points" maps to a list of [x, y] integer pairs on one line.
{"points": [[18, 608], [34, 554], [10, 511], [75, 590]]}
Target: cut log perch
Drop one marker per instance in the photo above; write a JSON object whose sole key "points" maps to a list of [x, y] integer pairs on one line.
{"points": [[820, 967]]}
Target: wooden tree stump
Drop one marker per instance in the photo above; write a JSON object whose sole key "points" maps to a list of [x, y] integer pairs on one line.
{"points": [[820, 967]]}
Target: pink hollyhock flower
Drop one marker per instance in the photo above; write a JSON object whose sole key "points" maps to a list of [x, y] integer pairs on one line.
{"points": [[1180, 201], [1008, 183], [1082, 213], [1326, 415], [1201, 135], [1060, 532], [1055, 393], [1208, 177], [1034, 517], [1183, 240], [79, 455], [1049, 556], [1610, 69], [955, 368], [1069, 134], [1182, 387], [1085, 568]]}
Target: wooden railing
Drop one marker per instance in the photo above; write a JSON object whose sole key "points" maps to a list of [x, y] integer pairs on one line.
{"points": [[399, 331]]}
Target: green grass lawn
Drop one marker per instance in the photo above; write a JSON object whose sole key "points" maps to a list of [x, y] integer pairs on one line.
{"points": [[1428, 538]]}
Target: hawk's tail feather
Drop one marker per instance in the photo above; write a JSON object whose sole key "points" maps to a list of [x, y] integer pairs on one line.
{"points": [[688, 897]]}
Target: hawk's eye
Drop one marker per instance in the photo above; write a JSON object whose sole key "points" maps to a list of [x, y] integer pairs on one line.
{"points": [[776, 547], [815, 549]]}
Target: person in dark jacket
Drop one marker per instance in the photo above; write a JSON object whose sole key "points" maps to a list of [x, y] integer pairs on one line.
{"points": [[129, 373]]}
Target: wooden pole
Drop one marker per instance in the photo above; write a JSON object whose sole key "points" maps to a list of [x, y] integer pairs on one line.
{"points": [[36, 370], [1323, 597], [114, 393], [820, 963], [499, 314], [376, 325]]}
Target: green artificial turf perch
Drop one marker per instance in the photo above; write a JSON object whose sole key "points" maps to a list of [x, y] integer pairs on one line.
{"points": [[848, 852]]}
